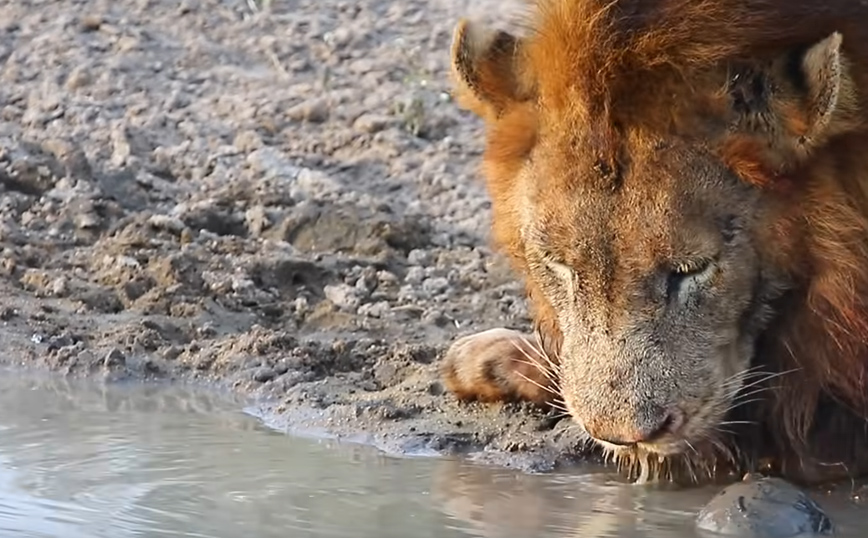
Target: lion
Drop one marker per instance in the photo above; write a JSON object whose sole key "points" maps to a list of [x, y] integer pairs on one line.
{"points": [[681, 185]]}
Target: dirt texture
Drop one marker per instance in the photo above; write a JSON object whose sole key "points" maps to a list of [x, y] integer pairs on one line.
{"points": [[276, 197]]}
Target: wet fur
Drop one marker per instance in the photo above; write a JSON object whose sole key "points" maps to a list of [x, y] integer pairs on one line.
{"points": [[614, 81]]}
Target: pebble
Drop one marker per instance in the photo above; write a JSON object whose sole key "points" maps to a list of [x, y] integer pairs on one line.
{"points": [[343, 296], [257, 220], [419, 257], [415, 275], [79, 77], [367, 281], [375, 310], [372, 123], [121, 147], [59, 286], [114, 358], [90, 23], [314, 110], [86, 221], [435, 285], [264, 375], [301, 305]]}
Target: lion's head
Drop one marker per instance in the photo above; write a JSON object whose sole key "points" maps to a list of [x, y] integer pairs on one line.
{"points": [[666, 181]]}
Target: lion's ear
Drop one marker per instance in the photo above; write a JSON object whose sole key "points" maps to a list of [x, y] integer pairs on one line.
{"points": [[796, 102], [826, 86], [800, 99], [485, 68]]}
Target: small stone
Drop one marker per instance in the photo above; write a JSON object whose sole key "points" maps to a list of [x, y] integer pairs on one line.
{"points": [[372, 123], [7, 313], [764, 507], [435, 285], [264, 375], [121, 147], [419, 257], [315, 182], [206, 330], [367, 281], [257, 220], [435, 317], [87, 221], [168, 223], [340, 37], [415, 275], [172, 352], [247, 141], [301, 305], [313, 110], [240, 284], [71, 157], [90, 23], [59, 286], [387, 278], [78, 78], [375, 310], [343, 296], [114, 359]]}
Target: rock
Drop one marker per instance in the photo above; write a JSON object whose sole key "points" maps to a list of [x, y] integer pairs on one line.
{"points": [[264, 375], [79, 77], [247, 141], [372, 123], [343, 296], [415, 275], [121, 147], [338, 38], [367, 281], [257, 220], [31, 173], [435, 285], [59, 286], [313, 110], [763, 508], [114, 359], [90, 23], [70, 157], [314, 183], [375, 310], [167, 222], [418, 257]]}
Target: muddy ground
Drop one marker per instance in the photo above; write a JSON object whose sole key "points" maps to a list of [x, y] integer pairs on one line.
{"points": [[281, 199]]}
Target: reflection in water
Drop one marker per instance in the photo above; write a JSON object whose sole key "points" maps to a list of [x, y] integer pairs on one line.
{"points": [[80, 460]]}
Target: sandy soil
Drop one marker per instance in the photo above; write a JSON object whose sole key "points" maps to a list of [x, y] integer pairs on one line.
{"points": [[279, 199]]}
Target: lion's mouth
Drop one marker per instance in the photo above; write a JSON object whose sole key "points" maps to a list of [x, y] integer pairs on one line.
{"points": [[689, 437]]}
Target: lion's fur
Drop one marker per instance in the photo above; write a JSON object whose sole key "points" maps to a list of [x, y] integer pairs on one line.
{"points": [[604, 64]]}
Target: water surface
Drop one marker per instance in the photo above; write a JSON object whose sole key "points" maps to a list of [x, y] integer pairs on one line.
{"points": [[79, 459]]}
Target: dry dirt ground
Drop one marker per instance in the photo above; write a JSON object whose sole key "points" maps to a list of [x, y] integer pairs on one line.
{"points": [[280, 199]]}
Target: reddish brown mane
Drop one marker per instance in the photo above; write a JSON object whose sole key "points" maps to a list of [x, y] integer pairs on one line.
{"points": [[606, 61], [606, 48]]}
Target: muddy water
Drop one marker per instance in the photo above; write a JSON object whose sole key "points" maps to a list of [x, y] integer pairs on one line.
{"points": [[81, 460]]}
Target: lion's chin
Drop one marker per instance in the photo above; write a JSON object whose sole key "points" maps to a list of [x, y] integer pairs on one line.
{"points": [[667, 460]]}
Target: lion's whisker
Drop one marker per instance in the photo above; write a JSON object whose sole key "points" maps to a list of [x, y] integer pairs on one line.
{"points": [[543, 387]]}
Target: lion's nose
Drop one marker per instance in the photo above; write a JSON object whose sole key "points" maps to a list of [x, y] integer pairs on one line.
{"points": [[646, 428]]}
